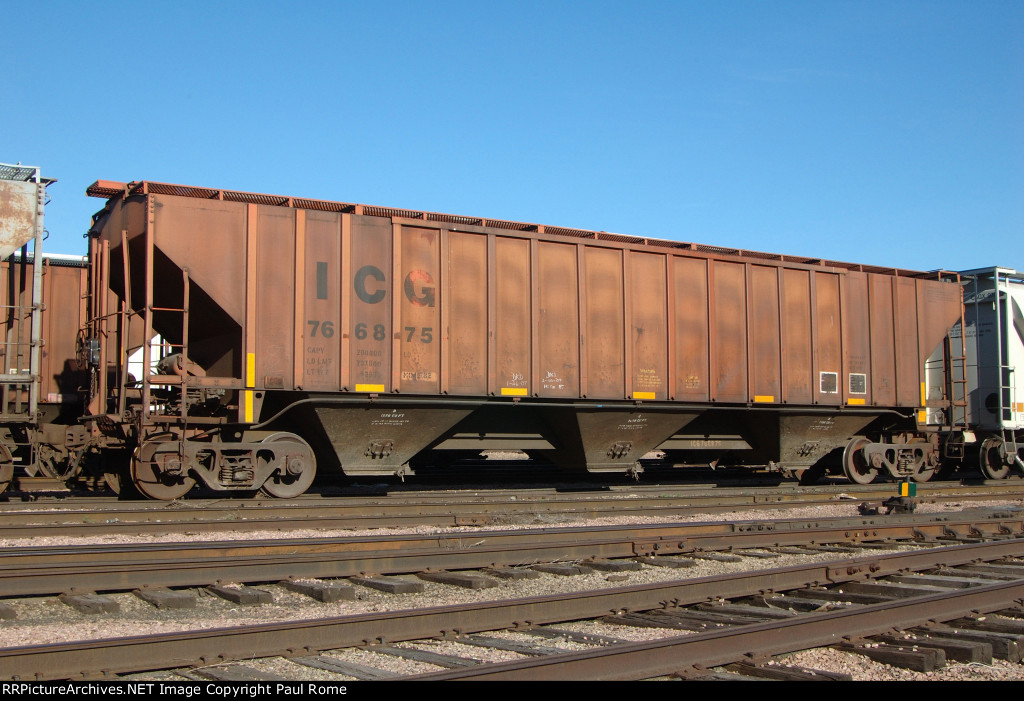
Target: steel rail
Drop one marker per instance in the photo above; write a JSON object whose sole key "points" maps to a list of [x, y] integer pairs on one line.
{"points": [[669, 655], [425, 509], [54, 570], [406, 515], [188, 648]]}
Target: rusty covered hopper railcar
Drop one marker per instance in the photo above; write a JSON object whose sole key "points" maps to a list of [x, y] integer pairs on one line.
{"points": [[296, 332]]}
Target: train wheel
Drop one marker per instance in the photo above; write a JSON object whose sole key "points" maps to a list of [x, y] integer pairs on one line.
{"points": [[120, 482], [113, 482], [112, 468], [299, 469], [855, 466], [52, 462], [990, 459], [811, 475], [56, 463], [927, 468], [154, 480], [6, 468]]}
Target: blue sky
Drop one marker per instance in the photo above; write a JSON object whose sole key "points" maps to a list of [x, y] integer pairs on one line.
{"points": [[888, 133]]}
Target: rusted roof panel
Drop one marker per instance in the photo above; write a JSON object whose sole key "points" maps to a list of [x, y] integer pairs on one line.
{"points": [[108, 189]]}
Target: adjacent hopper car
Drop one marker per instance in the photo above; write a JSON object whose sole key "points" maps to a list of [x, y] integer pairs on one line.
{"points": [[278, 338], [42, 381]]}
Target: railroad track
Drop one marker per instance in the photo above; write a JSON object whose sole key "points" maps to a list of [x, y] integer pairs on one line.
{"points": [[28, 571], [760, 634], [98, 516], [944, 601]]}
